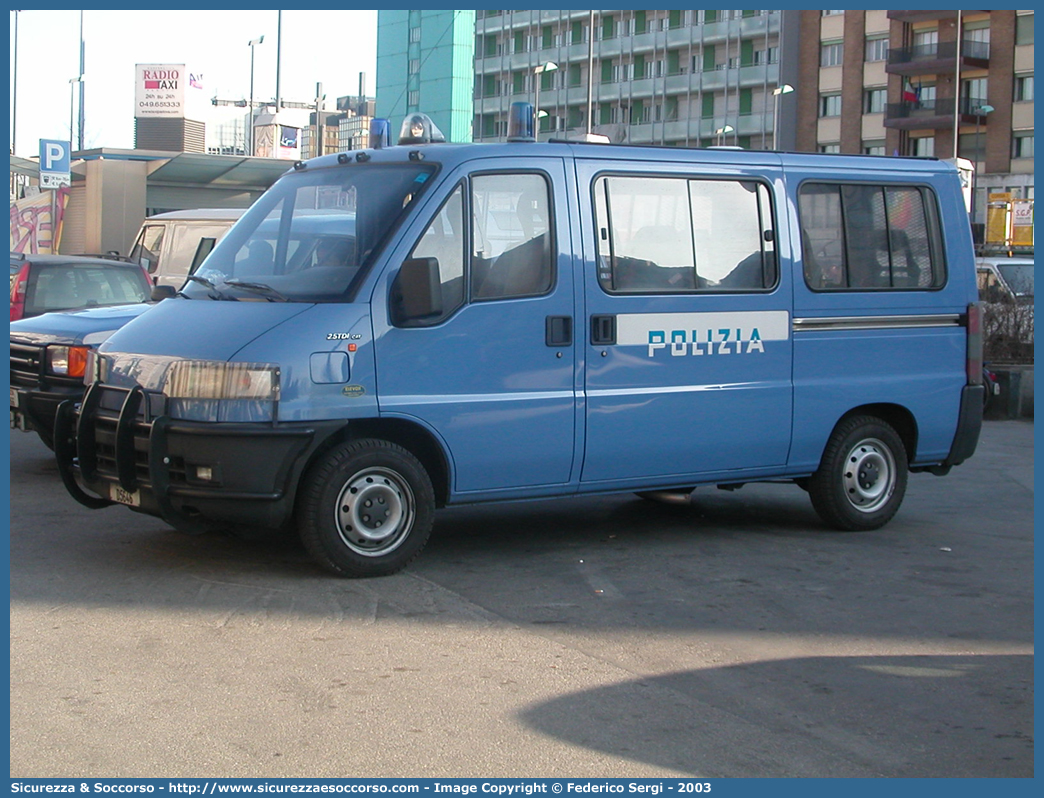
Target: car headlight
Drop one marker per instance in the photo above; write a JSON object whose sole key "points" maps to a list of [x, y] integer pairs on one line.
{"points": [[204, 390], [67, 361]]}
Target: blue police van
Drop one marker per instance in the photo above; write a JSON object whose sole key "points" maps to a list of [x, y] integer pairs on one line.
{"points": [[397, 329]]}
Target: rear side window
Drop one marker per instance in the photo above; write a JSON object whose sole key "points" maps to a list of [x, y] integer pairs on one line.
{"points": [[676, 235], [61, 287], [869, 237]]}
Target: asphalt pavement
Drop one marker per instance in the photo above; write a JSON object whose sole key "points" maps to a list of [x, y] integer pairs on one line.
{"points": [[605, 636]]}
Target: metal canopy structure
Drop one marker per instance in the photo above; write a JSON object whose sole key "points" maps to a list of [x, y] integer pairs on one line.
{"points": [[218, 171]]}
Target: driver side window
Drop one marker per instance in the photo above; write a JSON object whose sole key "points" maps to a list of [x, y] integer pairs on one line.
{"points": [[444, 240]]}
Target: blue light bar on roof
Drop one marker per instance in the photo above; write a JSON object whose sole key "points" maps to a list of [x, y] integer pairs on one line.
{"points": [[380, 133], [521, 122]]}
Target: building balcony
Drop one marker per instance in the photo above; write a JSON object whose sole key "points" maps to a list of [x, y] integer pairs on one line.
{"points": [[934, 58], [932, 114], [926, 15]]}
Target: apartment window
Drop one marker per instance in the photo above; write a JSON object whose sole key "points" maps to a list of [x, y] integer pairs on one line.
{"points": [[1024, 29], [770, 55], [414, 66], [923, 147], [876, 48], [977, 32], [836, 147], [873, 148], [1022, 144], [874, 101], [829, 105], [864, 237], [832, 13], [973, 94], [664, 235], [413, 99], [926, 38], [831, 53], [415, 34], [1023, 88]]}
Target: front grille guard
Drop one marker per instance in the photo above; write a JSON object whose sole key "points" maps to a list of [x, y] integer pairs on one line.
{"points": [[75, 445]]}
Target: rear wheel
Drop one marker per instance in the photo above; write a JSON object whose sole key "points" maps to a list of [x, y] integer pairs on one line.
{"points": [[366, 509], [862, 478]]}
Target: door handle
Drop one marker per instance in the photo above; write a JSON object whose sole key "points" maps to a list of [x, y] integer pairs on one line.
{"points": [[603, 330], [558, 330]]}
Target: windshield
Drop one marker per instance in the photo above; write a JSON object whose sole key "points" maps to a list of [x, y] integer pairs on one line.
{"points": [[1019, 278], [311, 237]]}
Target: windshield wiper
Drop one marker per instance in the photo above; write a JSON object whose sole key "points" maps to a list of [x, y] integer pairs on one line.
{"points": [[214, 292], [258, 288]]}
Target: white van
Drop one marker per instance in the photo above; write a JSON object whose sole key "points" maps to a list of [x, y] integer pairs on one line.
{"points": [[171, 245], [1006, 290]]}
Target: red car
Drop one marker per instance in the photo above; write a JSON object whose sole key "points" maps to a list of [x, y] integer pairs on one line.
{"points": [[43, 283]]}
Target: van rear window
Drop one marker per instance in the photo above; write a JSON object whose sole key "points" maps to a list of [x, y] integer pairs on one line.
{"points": [[869, 237], [675, 235]]}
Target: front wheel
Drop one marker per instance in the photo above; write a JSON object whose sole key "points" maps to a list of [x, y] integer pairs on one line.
{"points": [[366, 509], [862, 478]]}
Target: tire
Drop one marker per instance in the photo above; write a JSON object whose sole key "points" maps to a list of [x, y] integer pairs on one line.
{"points": [[365, 509], [862, 477]]}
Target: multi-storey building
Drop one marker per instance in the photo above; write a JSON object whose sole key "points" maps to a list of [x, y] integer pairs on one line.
{"points": [[682, 78], [875, 82], [938, 83], [425, 63]]}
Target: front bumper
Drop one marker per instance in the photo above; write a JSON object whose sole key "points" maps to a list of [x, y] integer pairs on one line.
{"points": [[120, 445], [35, 409]]}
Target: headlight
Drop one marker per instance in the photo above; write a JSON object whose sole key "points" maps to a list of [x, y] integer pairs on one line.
{"points": [[67, 361], [203, 390]]}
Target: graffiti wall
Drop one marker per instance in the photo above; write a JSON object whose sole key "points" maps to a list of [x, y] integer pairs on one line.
{"points": [[36, 222]]}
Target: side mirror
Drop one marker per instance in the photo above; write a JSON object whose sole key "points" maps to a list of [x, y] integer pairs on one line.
{"points": [[162, 292], [417, 291]]}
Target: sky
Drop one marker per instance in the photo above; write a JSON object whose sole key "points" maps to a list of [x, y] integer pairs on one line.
{"points": [[328, 47]]}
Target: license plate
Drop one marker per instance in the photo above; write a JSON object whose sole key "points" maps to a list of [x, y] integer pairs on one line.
{"points": [[14, 397], [121, 496]]}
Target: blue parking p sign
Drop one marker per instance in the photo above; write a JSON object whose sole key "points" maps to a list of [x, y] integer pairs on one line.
{"points": [[54, 163]]}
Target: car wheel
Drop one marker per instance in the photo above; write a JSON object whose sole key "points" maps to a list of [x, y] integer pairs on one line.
{"points": [[366, 509], [862, 477]]}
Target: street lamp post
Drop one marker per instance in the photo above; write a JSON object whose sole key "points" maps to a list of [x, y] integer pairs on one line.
{"points": [[550, 66], [786, 88], [251, 44], [721, 132], [980, 112], [72, 105]]}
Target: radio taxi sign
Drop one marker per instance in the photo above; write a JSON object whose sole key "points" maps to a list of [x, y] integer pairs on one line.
{"points": [[54, 163], [159, 91]]}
